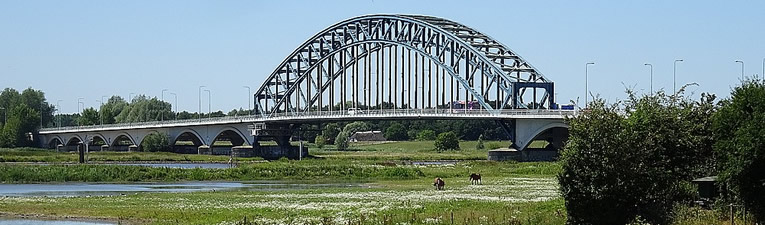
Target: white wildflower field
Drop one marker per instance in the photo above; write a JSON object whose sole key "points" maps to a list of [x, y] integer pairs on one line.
{"points": [[509, 194]]}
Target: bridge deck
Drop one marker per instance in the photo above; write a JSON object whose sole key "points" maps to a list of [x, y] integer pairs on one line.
{"points": [[324, 116]]}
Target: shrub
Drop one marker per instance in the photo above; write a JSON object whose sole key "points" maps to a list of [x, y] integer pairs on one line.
{"points": [[480, 146], [447, 141], [396, 132], [341, 141], [621, 164], [320, 141], [740, 148], [156, 142], [330, 132], [426, 135]]}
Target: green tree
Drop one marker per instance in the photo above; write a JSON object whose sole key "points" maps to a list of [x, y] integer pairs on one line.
{"points": [[330, 132], [21, 120], [341, 141], [354, 127], [396, 132], [320, 141], [426, 135], [447, 141], [635, 161], [740, 148], [156, 142], [112, 108], [143, 109], [89, 117]]}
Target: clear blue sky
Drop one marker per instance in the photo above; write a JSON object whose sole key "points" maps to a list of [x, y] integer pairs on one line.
{"points": [[82, 48]]}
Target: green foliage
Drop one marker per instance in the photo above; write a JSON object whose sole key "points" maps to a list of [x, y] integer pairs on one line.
{"points": [[330, 132], [280, 169], [426, 135], [89, 117], [156, 142], [142, 109], [447, 141], [621, 166], [493, 146], [320, 141], [354, 127], [396, 132], [341, 141], [739, 128], [479, 145], [23, 114], [21, 120]]}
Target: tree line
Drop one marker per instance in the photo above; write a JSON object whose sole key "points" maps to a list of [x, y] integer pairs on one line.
{"points": [[632, 162]]}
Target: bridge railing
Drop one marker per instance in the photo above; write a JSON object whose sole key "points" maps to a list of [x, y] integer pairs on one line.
{"points": [[353, 113]]}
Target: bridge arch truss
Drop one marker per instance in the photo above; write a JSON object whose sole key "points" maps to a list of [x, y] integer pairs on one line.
{"points": [[401, 62]]}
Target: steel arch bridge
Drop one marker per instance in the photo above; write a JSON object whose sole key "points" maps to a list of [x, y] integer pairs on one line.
{"points": [[373, 67], [401, 62]]}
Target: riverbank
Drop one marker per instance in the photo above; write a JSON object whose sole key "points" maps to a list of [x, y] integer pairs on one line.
{"points": [[499, 200]]}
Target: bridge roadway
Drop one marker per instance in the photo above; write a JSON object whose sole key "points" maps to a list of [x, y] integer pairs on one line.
{"points": [[323, 116], [523, 125]]}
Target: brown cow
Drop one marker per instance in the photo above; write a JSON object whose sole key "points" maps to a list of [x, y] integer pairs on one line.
{"points": [[475, 178], [439, 183]]}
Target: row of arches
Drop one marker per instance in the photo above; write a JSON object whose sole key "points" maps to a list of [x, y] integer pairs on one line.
{"points": [[186, 141]]}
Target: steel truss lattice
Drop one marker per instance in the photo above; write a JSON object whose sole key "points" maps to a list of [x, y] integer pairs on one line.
{"points": [[380, 61]]}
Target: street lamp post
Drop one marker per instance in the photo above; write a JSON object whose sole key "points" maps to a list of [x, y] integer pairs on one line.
{"points": [[57, 110], [586, 74], [674, 75], [742, 69], [651, 66], [162, 118], [79, 110], [199, 95], [249, 103], [100, 112], [176, 105], [209, 100]]}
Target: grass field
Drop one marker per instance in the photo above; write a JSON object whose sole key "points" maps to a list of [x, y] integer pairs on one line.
{"points": [[393, 190], [512, 193]]}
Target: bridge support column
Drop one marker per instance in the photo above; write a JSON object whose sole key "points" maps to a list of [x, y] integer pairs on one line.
{"points": [[281, 134]]}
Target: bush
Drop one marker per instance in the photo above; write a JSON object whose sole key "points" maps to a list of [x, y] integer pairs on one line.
{"points": [[621, 164], [330, 132], [396, 132], [740, 148], [156, 142], [447, 141], [320, 141], [493, 146], [341, 141], [354, 127], [480, 146], [426, 135]]}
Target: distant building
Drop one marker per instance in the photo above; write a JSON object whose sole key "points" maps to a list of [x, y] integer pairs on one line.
{"points": [[367, 136]]}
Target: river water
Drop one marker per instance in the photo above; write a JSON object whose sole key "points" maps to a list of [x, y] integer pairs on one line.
{"points": [[101, 189]]}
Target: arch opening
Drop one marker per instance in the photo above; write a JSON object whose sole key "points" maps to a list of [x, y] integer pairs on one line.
{"points": [[97, 143], [187, 142], [226, 141], [54, 143], [123, 142], [74, 144]]}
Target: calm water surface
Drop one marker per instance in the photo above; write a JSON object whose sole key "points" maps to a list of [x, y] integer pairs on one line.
{"points": [[101, 189]]}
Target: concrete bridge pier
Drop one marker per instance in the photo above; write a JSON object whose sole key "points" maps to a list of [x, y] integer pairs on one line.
{"points": [[524, 132], [279, 133]]}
